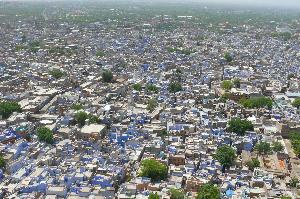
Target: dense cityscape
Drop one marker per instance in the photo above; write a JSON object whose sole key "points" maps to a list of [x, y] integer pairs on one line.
{"points": [[108, 99]]}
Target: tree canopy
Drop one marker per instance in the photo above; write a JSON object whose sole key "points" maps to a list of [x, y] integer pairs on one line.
{"points": [[153, 196], [225, 155], [152, 104], [294, 182], [77, 106], [175, 87], [296, 102], [277, 146], [228, 57], [252, 164], [45, 135], [240, 126], [208, 191], [295, 141], [152, 88], [263, 148], [2, 162], [257, 102], [107, 76], [81, 117], [137, 87], [226, 84], [237, 83], [56, 73], [7, 108], [177, 194], [100, 53], [154, 169]]}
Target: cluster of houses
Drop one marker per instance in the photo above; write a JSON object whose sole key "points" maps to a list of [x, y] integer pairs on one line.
{"points": [[102, 159]]}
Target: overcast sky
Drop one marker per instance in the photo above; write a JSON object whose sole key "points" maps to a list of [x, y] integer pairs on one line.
{"points": [[265, 3], [261, 2]]}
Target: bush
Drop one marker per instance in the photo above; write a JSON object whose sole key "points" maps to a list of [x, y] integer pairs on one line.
{"points": [[257, 102], [45, 135], [286, 197], [228, 57], [107, 76], [252, 164], [177, 194], [208, 191], [294, 182], [154, 169], [152, 88], [7, 108], [80, 118], [153, 196], [237, 83], [240, 126], [295, 141], [152, 104], [225, 97], [56, 73], [296, 103], [226, 85], [93, 119], [2, 162], [137, 87], [100, 53], [175, 87], [77, 107]]}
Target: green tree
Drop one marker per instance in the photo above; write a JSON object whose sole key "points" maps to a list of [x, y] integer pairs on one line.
{"points": [[237, 83], [240, 126], [77, 106], [152, 88], [257, 102], [45, 135], [225, 155], [177, 194], [208, 191], [225, 97], [226, 84], [263, 148], [277, 146], [56, 73], [252, 164], [296, 102], [162, 133], [107, 76], [294, 182], [153, 196], [7, 108], [137, 87], [100, 53], [154, 169], [228, 57], [152, 104], [175, 87], [295, 141], [93, 119], [2, 162], [80, 118]]}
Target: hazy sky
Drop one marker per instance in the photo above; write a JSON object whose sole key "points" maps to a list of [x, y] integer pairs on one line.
{"points": [[268, 3], [265, 3]]}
